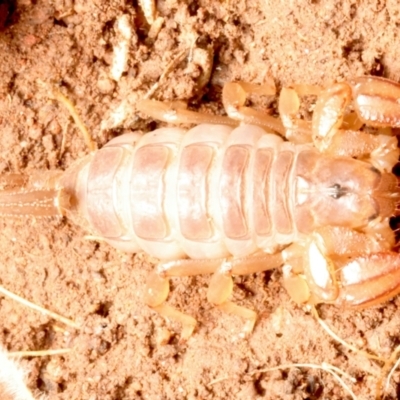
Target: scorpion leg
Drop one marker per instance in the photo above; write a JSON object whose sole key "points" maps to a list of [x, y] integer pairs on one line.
{"points": [[177, 113], [220, 288], [157, 288], [329, 113], [299, 131], [221, 285], [296, 130], [234, 95]]}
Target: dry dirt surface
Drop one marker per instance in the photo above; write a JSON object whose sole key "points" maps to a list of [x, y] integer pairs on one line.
{"points": [[103, 56]]}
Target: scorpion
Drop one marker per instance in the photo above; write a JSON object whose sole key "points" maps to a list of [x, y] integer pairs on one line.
{"points": [[245, 193]]}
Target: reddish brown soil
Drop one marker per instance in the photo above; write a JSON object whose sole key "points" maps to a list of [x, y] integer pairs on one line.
{"points": [[122, 349]]}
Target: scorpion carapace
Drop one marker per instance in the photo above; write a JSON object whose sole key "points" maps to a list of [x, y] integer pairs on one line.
{"points": [[236, 200]]}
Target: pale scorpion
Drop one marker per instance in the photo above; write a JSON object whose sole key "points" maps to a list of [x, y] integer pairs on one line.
{"points": [[233, 200]]}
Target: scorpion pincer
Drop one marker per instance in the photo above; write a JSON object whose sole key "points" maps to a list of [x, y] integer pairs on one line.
{"points": [[315, 197]]}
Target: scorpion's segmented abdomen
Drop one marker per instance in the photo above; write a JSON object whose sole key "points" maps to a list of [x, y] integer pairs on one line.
{"points": [[205, 193]]}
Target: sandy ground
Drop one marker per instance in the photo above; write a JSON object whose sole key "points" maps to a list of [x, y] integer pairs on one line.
{"points": [[122, 350]]}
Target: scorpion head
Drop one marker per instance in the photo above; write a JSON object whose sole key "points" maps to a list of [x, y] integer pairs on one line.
{"points": [[341, 191]]}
